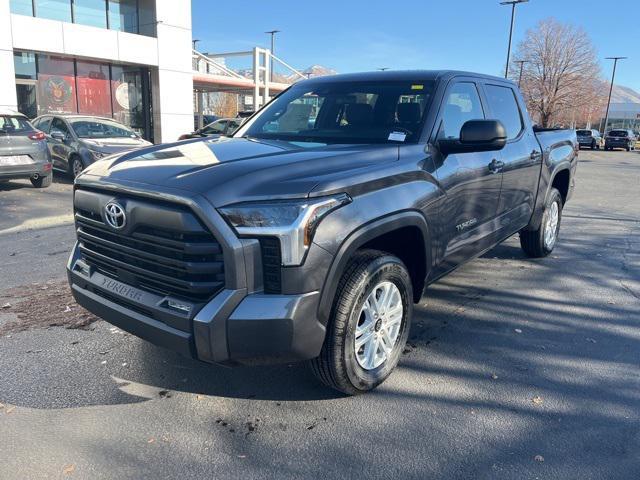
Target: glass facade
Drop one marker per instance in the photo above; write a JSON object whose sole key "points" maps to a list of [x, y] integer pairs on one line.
{"points": [[53, 9], [132, 16], [55, 84], [90, 12], [22, 7]]}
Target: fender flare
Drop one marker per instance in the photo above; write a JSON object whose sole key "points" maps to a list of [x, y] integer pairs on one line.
{"points": [[357, 239]]}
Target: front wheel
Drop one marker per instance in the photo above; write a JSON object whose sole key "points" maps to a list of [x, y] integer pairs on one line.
{"points": [[76, 166], [369, 324], [540, 242]]}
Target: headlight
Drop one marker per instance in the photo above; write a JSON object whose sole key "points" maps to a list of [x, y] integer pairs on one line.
{"points": [[98, 155], [292, 221]]}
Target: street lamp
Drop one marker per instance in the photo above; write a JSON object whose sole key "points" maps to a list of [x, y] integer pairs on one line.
{"points": [[613, 77], [513, 4], [194, 42], [273, 50], [521, 62]]}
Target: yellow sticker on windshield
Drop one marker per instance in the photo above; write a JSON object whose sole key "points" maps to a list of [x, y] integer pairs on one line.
{"points": [[417, 87]]}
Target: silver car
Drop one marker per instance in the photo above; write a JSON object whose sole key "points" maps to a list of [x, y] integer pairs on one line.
{"points": [[76, 141], [23, 150]]}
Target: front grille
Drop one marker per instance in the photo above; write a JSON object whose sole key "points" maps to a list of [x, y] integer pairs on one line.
{"points": [[153, 253]]}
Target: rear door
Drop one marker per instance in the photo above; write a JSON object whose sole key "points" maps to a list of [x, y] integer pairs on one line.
{"points": [[521, 157], [472, 187]]}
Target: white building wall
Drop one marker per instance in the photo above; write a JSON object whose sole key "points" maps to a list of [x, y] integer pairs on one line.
{"points": [[8, 97], [172, 87]]}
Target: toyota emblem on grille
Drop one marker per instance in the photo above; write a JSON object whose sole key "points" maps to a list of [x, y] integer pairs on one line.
{"points": [[114, 215]]}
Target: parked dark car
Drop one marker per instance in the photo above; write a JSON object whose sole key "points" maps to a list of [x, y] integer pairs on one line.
{"points": [[589, 139], [620, 138], [76, 141], [23, 150], [222, 126], [288, 242], [206, 120]]}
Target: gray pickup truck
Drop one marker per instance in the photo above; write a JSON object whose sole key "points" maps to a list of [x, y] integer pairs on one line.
{"points": [[310, 234]]}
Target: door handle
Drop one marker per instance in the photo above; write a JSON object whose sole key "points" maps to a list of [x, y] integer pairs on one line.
{"points": [[535, 154], [496, 166]]}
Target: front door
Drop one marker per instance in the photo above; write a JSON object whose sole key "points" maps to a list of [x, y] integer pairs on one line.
{"points": [[26, 92], [471, 182], [58, 147]]}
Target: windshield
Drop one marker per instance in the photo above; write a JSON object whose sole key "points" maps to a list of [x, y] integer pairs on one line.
{"points": [[14, 124], [101, 128], [583, 133], [345, 112], [618, 133]]}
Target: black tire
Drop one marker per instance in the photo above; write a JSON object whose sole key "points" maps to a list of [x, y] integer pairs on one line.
{"points": [[593, 145], [628, 148], [533, 241], [71, 168], [337, 366], [42, 181]]}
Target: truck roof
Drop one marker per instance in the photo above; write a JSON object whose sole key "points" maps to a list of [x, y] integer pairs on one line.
{"points": [[402, 75]]}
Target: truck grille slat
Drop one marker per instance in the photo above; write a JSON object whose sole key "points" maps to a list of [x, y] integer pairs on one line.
{"points": [[178, 256]]}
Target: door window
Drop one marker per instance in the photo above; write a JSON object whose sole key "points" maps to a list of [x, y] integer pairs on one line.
{"points": [[57, 125], [43, 124], [462, 104], [504, 107]]}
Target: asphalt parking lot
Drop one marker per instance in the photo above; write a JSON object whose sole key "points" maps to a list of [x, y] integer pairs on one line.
{"points": [[515, 368]]}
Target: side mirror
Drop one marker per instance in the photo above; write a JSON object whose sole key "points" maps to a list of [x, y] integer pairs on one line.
{"points": [[476, 136], [58, 135]]}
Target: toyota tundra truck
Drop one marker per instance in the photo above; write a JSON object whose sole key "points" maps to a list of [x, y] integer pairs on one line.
{"points": [[310, 233]]}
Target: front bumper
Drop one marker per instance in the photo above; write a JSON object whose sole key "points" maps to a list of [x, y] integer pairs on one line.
{"points": [[233, 327]]}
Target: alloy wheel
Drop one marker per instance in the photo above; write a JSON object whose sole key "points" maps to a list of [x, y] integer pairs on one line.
{"points": [[378, 326], [551, 226]]}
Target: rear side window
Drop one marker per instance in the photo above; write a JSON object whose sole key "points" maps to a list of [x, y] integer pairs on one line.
{"points": [[504, 107], [462, 104], [14, 123], [43, 124]]}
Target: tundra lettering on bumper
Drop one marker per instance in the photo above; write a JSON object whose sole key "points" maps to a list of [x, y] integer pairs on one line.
{"points": [[233, 327]]}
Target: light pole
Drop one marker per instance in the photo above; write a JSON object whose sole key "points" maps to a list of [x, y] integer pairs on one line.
{"points": [[513, 4], [273, 50], [613, 77], [194, 42], [521, 62]]}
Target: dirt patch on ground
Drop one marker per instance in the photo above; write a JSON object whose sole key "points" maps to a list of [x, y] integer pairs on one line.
{"points": [[42, 305]]}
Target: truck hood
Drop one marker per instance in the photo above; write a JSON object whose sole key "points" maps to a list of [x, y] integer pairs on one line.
{"points": [[230, 170], [114, 145]]}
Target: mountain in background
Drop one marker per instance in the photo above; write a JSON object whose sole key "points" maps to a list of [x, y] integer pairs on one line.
{"points": [[622, 94]]}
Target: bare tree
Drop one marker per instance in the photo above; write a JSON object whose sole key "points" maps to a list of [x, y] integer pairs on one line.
{"points": [[224, 104], [561, 80]]}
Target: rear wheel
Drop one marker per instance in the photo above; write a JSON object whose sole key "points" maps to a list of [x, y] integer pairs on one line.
{"points": [[369, 324], [540, 242], [593, 145], [42, 181]]}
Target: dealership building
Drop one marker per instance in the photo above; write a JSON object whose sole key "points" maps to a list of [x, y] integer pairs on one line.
{"points": [[130, 60]]}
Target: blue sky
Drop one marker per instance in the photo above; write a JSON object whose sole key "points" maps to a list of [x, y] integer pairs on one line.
{"points": [[360, 35]]}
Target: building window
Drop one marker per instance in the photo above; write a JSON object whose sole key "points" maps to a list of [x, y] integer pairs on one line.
{"points": [[131, 16], [22, 7], [56, 85], [90, 12], [128, 101], [123, 15], [53, 9], [25, 65], [94, 90], [52, 84]]}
